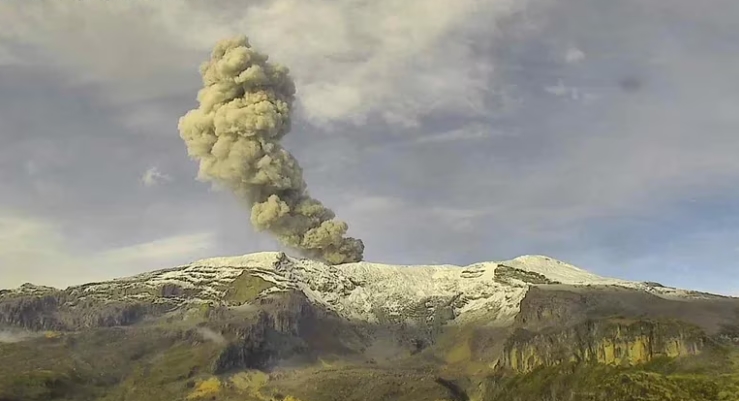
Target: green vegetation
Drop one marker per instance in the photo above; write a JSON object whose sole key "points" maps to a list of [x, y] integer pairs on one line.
{"points": [[156, 363], [360, 384], [75, 366], [705, 377], [246, 288], [166, 375]]}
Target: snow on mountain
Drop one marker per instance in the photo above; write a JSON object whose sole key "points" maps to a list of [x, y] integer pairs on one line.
{"points": [[373, 291], [560, 271]]}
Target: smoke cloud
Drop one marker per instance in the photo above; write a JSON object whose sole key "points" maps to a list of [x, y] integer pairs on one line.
{"points": [[211, 335], [14, 336], [235, 135]]}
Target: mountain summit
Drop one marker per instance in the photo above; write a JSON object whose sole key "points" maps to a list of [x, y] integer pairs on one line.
{"points": [[264, 325]]}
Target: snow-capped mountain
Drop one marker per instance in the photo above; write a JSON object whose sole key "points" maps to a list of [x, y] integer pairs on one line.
{"points": [[396, 329], [365, 291]]}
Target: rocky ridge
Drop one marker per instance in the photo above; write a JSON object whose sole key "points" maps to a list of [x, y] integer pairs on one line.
{"points": [[362, 291]]}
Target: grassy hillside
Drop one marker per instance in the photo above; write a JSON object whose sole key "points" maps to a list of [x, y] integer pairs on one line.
{"points": [[158, 363], [710, 377]]}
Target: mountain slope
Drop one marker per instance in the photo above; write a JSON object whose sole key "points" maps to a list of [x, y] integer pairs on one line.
{"points": [[363, 291], [322, 332]]}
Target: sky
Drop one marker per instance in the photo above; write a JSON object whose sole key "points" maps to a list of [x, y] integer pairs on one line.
{"points": [[600, 133]]}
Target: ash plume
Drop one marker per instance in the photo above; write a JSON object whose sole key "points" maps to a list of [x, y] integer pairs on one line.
{"points": [[235, 135]]}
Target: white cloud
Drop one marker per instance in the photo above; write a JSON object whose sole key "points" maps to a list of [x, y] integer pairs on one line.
{"points": [[572, 93], [558, 90], [160, 249], [465, 133], [373, 204], [147, 119], [364, 209], [459, 220], [35, 250], [153, 176], [574, 55], [350, 59], [427, 137]]}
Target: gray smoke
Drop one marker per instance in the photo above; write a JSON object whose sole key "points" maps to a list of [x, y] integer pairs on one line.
{"points": [[14, 336], [235, 134], [211, 335]]}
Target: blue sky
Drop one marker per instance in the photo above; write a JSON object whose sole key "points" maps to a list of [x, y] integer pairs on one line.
{"points": [[603, 134]]}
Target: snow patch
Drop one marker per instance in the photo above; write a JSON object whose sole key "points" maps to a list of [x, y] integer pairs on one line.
{"points": [[365, 290]]}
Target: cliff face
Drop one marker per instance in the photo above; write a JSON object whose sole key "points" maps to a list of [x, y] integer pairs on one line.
{"points": [[60, 311], [611, 342], [562, 305], [614, 326], [279, 327]]}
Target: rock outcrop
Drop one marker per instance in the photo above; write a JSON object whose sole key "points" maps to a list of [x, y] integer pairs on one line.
{"points": [[612, 342]]}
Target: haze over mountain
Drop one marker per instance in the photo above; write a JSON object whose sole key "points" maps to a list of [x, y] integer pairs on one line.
{"points": [[601, 133]]}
